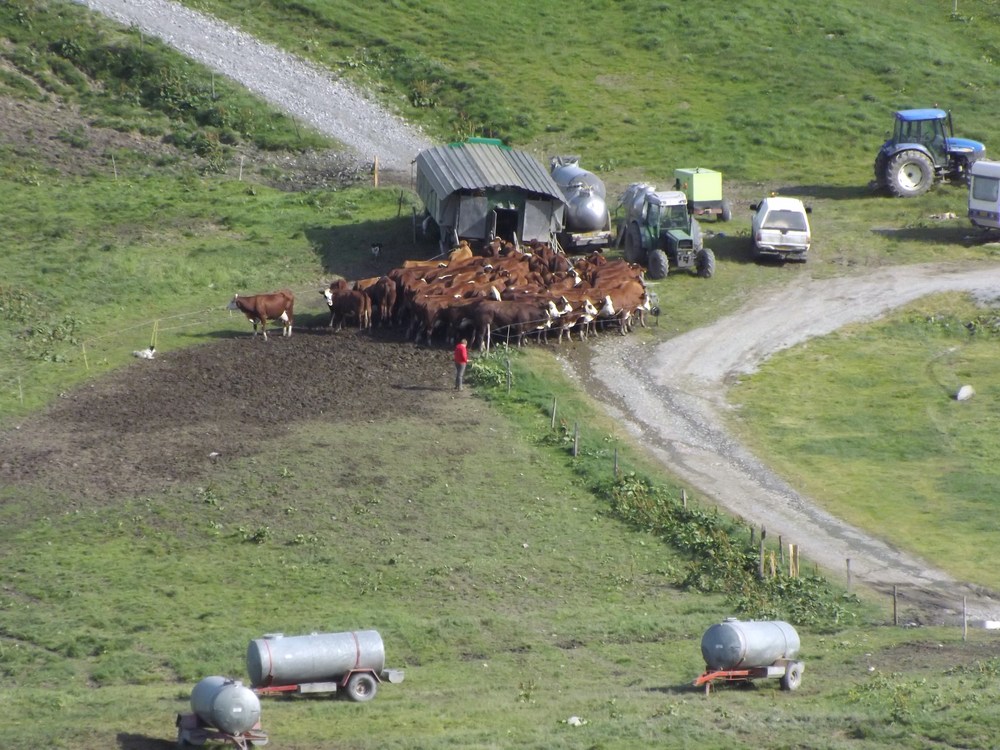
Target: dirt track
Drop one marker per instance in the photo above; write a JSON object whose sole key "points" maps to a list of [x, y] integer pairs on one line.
{"points": [[673, 396]]}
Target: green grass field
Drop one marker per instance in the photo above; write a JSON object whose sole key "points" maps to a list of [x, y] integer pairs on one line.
{"points": [[513, 599]]}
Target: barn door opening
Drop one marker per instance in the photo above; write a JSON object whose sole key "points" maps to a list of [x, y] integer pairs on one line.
{"points": [[506, 223]]}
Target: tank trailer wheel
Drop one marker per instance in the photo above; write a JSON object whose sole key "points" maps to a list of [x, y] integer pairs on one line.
{"points": [[705, 263], [361, 688], [909, 173], [727, 210], [793, 676], [658, 264]]}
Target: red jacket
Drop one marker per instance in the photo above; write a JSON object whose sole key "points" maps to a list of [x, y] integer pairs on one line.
{"points": [[461, 354]]}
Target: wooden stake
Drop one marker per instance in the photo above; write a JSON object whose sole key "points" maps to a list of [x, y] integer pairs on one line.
{"points": [[86, 365], [895, 605], [375, 172], [552, 423], [965, 618], [576, 439]]}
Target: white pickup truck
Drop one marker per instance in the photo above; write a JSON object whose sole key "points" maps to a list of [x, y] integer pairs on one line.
{"points": [[780, 228]]}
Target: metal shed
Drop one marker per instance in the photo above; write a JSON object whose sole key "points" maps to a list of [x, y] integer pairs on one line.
{"points": [[480, 189]]}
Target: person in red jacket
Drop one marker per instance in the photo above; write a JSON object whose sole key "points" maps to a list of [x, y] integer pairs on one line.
{"points": [[461, 360]]}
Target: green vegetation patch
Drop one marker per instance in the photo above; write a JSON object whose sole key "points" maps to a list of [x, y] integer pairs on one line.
{"points": [[867, 420]]}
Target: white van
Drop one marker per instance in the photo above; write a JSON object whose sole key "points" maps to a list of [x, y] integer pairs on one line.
{"points": [[984, 194]]}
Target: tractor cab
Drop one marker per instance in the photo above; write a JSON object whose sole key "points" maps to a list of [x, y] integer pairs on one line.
{"points": [[925, 127], [667, 211]]}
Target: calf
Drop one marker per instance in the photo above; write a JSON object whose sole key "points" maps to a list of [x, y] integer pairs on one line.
{"points": [[260, 308]]}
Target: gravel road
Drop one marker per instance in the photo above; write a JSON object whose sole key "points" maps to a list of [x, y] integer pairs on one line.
{"points": [[311, 94], [673, 394]]}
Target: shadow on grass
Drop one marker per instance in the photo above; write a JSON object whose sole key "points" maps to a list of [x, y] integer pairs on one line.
{"points": [[829, 192], [937, 235], [346, 250], [139, 742]]}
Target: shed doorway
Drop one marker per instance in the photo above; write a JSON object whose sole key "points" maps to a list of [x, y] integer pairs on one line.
{"points": [[506, 222]]}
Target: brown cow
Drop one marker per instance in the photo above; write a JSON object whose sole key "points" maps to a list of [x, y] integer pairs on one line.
{"points": [[260, 308], [383, 296], [348, 304]]}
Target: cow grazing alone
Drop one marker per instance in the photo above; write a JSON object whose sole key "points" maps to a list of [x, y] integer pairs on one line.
{"points": [[260, 308]]}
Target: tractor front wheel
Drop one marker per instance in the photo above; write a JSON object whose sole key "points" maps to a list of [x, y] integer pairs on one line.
{"points": [[633, 244], [658, 264], [909, 173], [704, 263]]}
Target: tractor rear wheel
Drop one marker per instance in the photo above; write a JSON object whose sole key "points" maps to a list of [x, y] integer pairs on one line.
{"points": [[633, 244], [704, 263], [909, 173], [658, 264]]}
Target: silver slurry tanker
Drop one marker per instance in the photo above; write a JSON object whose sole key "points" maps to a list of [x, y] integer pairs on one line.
{"points": [[746, 649], [587, 219], [223, 709], [351, 662]]}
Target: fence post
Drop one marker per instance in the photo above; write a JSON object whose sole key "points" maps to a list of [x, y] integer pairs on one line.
{"points": [[848, 575], [508, 376], [616, 462], [684, 498], [965, 618], [576, 439], [552, 422], [895, 605]]}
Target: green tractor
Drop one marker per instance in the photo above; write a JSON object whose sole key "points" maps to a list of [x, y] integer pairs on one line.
{"points": [[659, 232]]}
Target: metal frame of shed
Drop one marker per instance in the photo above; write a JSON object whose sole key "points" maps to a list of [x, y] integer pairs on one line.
{"points": [[480, 189]]}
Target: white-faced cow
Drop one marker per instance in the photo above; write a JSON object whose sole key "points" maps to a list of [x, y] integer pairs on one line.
{"points": [[348, 305], [260, 308]]}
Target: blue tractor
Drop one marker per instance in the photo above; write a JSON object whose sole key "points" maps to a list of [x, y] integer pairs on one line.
{"points": [[923, 149]]}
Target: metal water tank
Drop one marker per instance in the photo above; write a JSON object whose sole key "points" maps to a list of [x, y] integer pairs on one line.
{"points": [[567, 173], [277, 659], [226, 704], [586, 211], [633, 198], [737, 644], [585, 194]]}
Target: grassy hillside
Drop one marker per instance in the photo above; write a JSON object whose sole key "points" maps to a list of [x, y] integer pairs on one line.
{"points": [[512, 593], [796, 93]]}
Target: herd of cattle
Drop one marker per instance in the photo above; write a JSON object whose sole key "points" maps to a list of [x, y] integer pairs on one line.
{"points": [[508, 294]]}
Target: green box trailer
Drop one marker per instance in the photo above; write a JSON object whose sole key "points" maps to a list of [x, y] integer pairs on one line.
{"points": [[703, 188]]}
